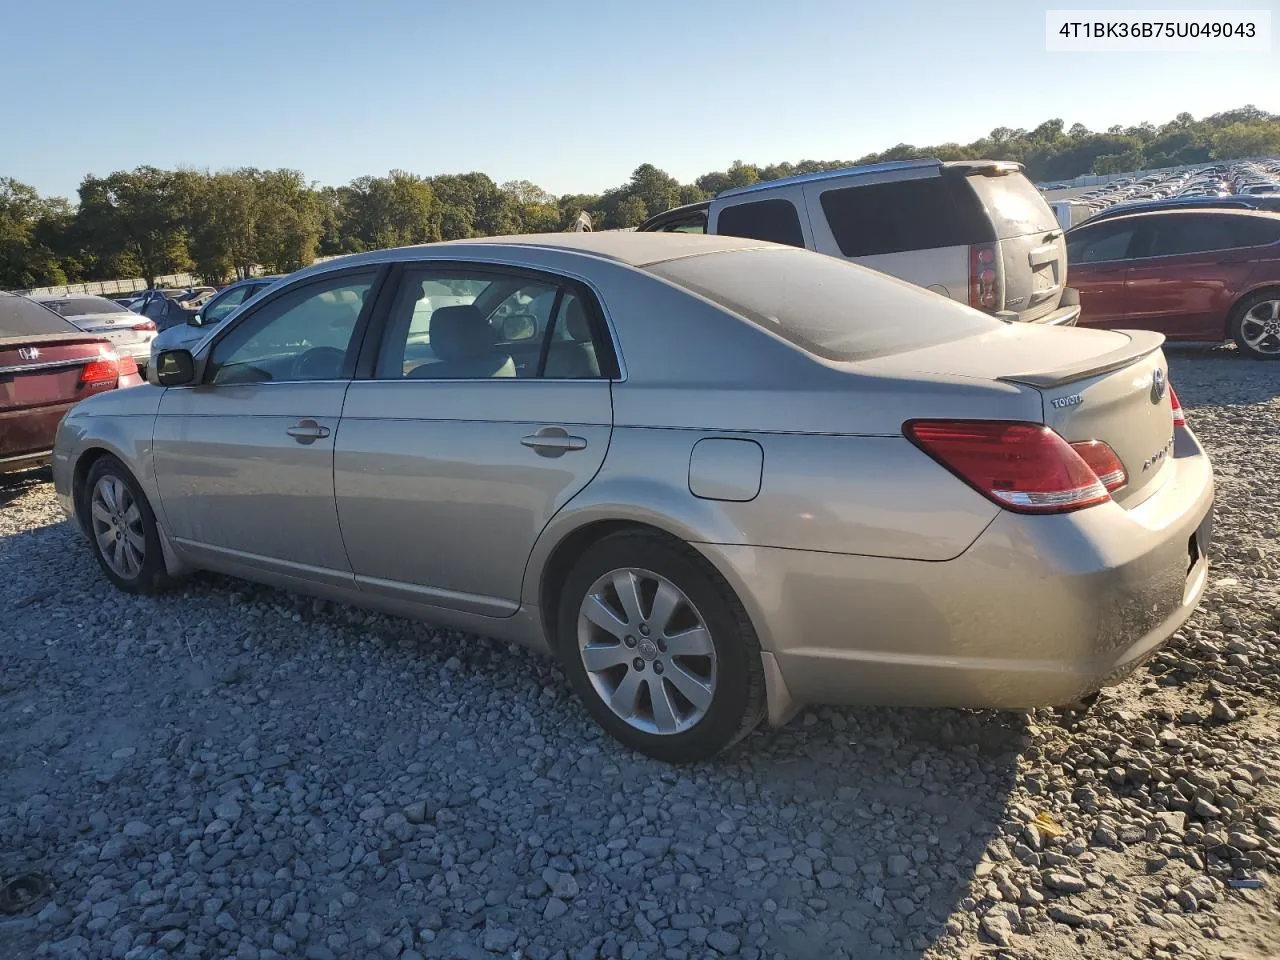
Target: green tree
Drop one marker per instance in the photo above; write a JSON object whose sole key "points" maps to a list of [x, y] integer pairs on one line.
{"points": [[138, 218]]}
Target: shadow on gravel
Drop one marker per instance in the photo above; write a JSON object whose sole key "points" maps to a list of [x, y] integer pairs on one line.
{"points": [[1220, 375], [14, 485], [850, 833]]}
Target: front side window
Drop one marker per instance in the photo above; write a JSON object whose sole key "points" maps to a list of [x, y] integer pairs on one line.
{"points": [[451, 323], [773, 220], [218, 309], [305, 334], [1104, 242]]}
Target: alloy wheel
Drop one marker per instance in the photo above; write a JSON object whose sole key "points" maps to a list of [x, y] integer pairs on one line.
{"points": [[117, 527], [1260, 327], [647, 651]]}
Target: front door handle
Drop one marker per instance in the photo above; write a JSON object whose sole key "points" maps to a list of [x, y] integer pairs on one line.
{"points": [[553, 442], [307, 431]]}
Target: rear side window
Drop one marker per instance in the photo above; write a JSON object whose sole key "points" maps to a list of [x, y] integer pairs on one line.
{"points": [[1014, 204], [1174, 235], [773, 220], [1255, 231], [20, 317], [823, 305], [906, 215]]}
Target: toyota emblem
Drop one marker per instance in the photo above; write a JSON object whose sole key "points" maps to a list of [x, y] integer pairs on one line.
{"points": [[1157, 386]]}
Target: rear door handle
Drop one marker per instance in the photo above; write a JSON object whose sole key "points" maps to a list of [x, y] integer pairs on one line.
{"points": [[307, 431], [553, 442]]}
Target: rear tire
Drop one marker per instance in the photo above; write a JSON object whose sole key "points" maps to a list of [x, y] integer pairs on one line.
{"points": [[122, 528], [1255, 325], [679, 678]]}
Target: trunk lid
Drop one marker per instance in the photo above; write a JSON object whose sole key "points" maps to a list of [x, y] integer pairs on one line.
{"points": [[39, 382], [1103, 385], [37, 371], [1032, 247]]}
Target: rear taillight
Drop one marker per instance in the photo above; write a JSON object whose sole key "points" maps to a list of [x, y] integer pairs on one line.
{"points": [[128, 366], [982, 276], [1024, 467], [1104, 463], [144, 325], [105, 367], [1179, 418]]}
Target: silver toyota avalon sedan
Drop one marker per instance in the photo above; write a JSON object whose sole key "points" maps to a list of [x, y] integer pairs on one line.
{"points": [[718, 478]]}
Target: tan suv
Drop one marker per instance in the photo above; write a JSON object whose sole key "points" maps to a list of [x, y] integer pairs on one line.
{"points": [[975, 231]]}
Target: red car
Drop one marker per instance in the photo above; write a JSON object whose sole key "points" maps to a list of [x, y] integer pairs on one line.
{"points": [[46, 365], [1189, 274]]}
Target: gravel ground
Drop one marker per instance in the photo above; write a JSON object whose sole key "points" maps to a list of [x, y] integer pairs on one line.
{"points": [[233, 771]]}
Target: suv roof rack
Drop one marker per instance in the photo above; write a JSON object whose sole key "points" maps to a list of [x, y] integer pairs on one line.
{"points": [[885, 167]]}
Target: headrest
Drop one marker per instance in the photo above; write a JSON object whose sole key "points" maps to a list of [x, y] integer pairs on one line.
{"points": [[460, 333], [576, 321]]}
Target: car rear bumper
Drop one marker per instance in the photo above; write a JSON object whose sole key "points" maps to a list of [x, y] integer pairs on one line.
{"points": [[28, 436], [1040, 611]]}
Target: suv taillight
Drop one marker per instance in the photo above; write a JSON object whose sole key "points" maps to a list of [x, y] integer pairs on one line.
{"points": [[1023, 467], [1179, 418], [105, 367], [982, 276]]}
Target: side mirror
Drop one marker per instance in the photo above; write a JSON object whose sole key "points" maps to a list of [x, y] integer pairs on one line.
{"points": [[195, 320], [519, 326], [175, 368]]}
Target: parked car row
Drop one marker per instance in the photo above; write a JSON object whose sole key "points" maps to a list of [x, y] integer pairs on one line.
{"points": [[1216, 181]]}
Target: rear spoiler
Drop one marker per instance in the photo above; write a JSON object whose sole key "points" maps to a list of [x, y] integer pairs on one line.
{"points": [[1141, 343]]}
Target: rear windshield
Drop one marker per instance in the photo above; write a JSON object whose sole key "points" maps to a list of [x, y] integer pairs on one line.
{"points": [[79, 306], [20, 317], [828, 307], [1014, 204]]}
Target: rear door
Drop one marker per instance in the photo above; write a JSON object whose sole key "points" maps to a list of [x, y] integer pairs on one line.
{"points": [[1098, 255], [456, 446], [1032, 251], [1187, 274]]}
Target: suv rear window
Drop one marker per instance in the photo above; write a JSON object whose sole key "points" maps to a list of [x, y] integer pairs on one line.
{"points": [[773, 220], [1014, 204], [826, 306], [919, 214], [20, 317]]}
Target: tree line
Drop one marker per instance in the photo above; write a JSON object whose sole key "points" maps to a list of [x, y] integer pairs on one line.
{"points": [[149, 222]]}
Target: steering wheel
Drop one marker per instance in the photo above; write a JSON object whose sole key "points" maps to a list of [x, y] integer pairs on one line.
{"points": [[319, 363]]}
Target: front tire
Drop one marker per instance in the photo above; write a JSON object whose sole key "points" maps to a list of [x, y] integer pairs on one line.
{"points": [[659, 648], [122, 528], [1255, 325]]}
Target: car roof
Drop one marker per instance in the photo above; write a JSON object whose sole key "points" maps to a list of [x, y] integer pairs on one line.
{"points": [[1193, 212], [868, 168], [622, 246]]}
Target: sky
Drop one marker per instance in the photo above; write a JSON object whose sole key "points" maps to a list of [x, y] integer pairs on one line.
{"points": [[570, 95]]}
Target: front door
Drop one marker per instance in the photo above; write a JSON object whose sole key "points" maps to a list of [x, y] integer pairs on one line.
{"points": [[488, 409], [1097, 266], [244, 461]]}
